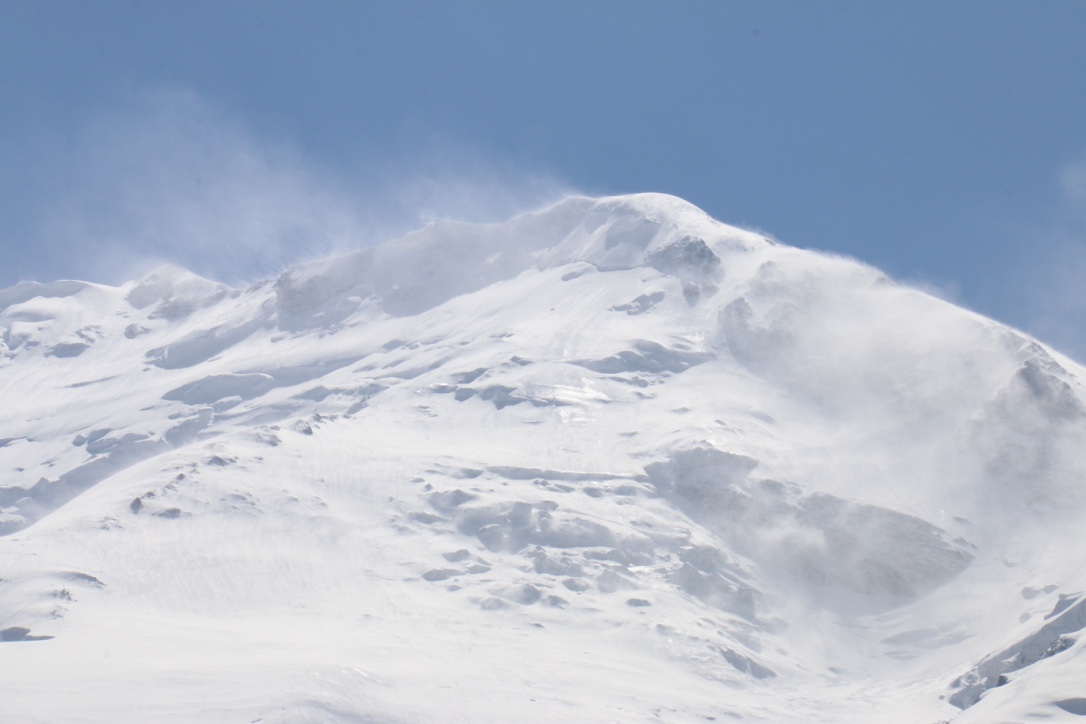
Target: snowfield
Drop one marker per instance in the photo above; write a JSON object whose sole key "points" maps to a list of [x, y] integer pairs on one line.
{"points": [[612, 461]]}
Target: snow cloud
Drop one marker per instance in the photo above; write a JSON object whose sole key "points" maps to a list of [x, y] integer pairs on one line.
{"points": [[1057, 268], [171, 177]]}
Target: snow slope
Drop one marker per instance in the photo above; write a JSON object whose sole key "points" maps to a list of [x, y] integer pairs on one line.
{"points": [[608, 461]]}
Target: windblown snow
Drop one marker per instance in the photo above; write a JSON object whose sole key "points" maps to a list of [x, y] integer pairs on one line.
{"points": [[608, 461]]}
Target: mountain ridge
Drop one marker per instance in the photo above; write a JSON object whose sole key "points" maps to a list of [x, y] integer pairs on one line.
{"points": [[772, 473]]}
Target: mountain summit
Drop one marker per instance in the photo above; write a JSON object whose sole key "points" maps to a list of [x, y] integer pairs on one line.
{"points": [[608, 461]]}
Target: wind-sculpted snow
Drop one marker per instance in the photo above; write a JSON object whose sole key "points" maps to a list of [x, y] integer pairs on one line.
{"points": [[175, 293], [1054, 637], [216, 387], [200, 346], [610, 460], [646, 356]]}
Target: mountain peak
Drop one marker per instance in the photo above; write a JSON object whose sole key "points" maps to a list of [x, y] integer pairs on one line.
{"points": [[446, 259], [774, 479]]}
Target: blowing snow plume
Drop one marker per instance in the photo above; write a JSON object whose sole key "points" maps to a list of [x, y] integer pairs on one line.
{"points": [[609, 459], [1057, 264], [171, 178]]}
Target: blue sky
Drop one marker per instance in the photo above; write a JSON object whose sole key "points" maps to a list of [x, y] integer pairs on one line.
{"points": [[944, 142]]}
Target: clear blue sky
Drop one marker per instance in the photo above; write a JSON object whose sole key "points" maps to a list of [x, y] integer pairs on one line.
{"points": [[944, 142]]}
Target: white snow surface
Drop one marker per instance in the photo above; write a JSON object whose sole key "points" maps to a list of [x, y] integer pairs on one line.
{"points": [[611, 461]]}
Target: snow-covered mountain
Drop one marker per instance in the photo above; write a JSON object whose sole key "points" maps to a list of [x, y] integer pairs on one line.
{"points": [[608, 461]]}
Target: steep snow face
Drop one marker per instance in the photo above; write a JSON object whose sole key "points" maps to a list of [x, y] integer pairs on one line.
{"points": [[612, 460]]}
